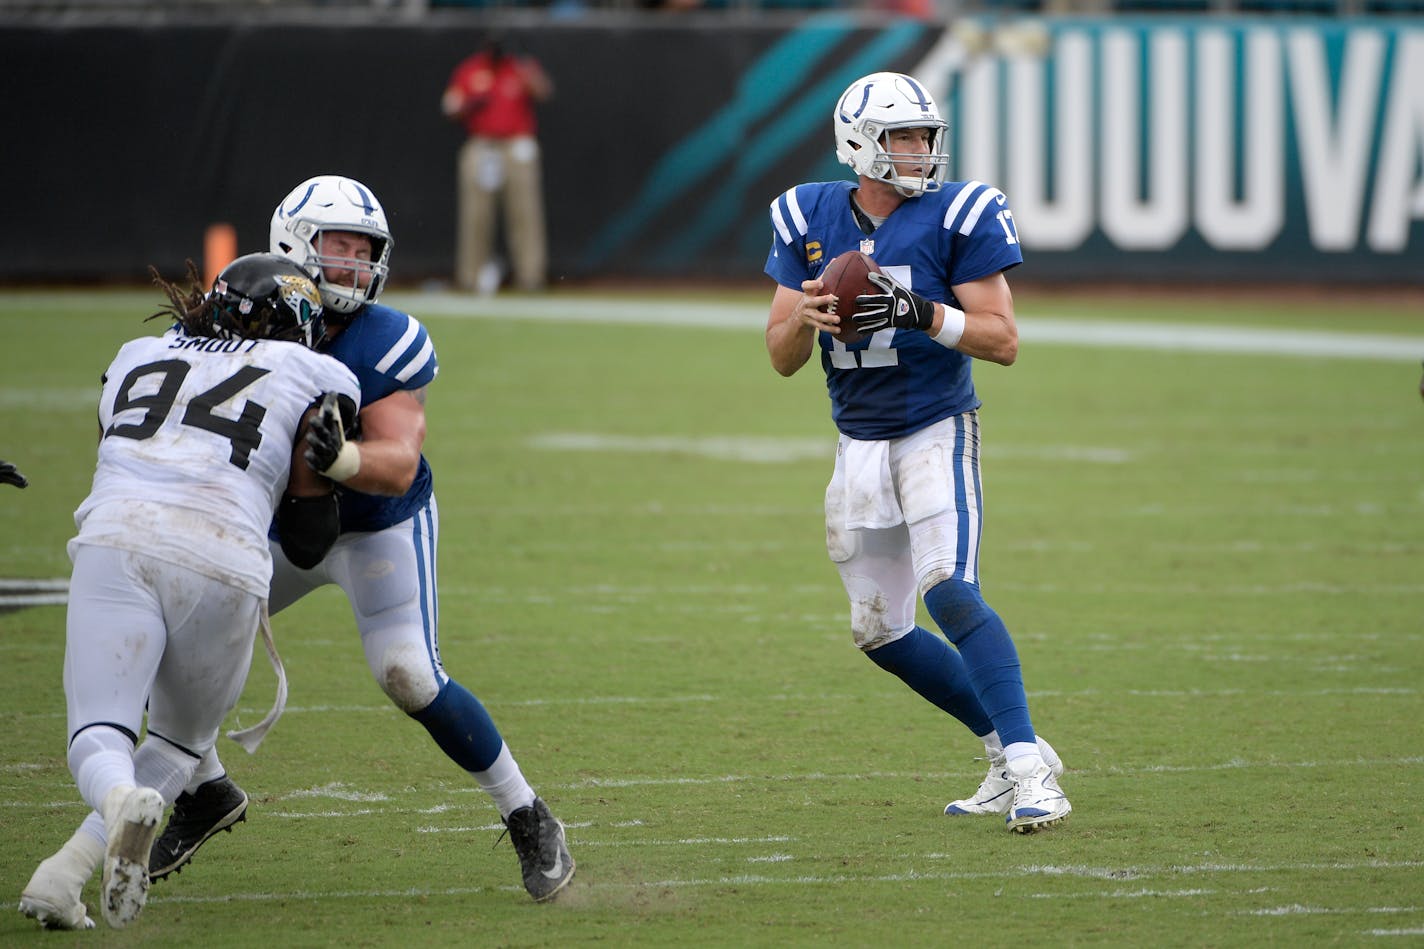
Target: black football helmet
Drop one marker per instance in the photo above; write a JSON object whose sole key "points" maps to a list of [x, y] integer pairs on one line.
{"points": [[266, 296]]}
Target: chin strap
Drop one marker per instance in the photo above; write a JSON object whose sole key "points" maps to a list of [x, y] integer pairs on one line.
{"points": [[250, 738]]}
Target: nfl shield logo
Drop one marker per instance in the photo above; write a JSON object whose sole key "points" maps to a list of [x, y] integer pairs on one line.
{"points": [[867, 246]]}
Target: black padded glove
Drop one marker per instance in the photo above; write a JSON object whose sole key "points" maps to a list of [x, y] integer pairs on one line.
{"points": [[9, 474], [328, 452], [897, 307]]}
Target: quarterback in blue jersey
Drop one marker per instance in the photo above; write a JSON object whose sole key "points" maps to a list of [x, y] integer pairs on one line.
{"points": [[904, 504], [385, 558]]}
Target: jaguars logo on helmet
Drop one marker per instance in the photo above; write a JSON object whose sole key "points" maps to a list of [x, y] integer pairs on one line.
{"points": [[266, 296], [299, 293]]}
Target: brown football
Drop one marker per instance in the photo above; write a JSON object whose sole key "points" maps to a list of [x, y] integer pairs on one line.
{"points": [[845, 276]]}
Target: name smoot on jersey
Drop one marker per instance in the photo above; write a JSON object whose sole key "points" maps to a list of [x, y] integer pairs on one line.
{"points": [[895, 382], [196, 449]]}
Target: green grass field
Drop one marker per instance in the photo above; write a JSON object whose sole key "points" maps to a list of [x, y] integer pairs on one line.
{"points": [[1209, 552]]}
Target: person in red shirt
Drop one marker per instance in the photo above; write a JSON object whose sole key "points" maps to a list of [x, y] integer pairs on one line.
{"points": [[493, 94]]}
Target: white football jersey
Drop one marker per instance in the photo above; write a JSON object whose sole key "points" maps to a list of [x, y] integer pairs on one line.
{"points": [[197, 448]]}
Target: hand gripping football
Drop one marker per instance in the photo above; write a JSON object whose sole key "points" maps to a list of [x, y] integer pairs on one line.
{"points": [[845, 276]]}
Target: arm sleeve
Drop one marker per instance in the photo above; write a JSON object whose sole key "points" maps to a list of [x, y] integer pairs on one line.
{"points": [[307, 527]]}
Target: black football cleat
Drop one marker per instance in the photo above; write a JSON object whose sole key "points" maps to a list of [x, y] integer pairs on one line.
{"points": [[544, 860], [216, 805]]}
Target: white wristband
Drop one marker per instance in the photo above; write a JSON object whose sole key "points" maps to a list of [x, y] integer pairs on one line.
{"points": [[347, 463], [952, 329]]}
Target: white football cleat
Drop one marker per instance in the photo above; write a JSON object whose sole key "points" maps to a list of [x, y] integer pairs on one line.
{"points": [[131, 817], [1039, 803], [53, 894], [996, 791]]}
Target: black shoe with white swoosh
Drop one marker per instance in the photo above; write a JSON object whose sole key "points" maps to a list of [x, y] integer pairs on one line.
{"points": [[544, 860], [216, 805]]}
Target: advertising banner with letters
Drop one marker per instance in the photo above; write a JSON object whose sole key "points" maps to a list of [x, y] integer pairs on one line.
{"points": [[1251, 148]]}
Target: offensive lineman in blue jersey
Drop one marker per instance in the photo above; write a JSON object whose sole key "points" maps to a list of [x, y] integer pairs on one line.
{"points": [[385, 558], [904, 503]]}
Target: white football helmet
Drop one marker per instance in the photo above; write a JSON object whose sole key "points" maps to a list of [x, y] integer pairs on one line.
{"points": [[882, 101], [334, 203]]}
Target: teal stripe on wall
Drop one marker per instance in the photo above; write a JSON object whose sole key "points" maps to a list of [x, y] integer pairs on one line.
{"points": [[696, 157], [808, 113]]}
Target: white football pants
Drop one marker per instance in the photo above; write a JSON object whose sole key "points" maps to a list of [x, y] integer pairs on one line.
{"points": [[142, 631], [932, 477]]}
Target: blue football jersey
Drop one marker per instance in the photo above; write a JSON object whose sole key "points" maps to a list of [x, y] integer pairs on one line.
{"points": [[388, 351], [895, 382]]}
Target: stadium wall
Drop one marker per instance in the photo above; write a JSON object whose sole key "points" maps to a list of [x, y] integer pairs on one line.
{"points": [[1149, 149]]}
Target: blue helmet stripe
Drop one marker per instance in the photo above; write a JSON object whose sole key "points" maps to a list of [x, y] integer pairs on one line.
{"points": [[923, 99], [366, 204], [303, 202]]}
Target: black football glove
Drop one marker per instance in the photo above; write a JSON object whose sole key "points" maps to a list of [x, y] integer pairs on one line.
{"points": [[328, 452], [9, 474], [897, 306]]}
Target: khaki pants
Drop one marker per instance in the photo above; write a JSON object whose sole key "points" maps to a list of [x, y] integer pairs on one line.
{"points": [[493, 173]]}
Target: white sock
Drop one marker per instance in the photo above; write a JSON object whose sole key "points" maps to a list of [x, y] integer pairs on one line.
{"points": [[1023, 757], [78, 858], [209, 769], [94, 828], [505, 783], [160, 766], [993, 745], [101, 759]]}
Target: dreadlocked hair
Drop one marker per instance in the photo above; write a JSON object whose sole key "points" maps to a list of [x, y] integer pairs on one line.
{"points": [[191, 308]]}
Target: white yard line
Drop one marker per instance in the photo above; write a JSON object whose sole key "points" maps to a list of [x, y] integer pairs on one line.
{"points": [[1033, 328], [644, 310], [1223, 339], [823, 697], [16, 593], [390, 801], [839, 879], [767, 449]]}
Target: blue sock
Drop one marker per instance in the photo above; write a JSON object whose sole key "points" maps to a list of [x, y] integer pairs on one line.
{"points": [[461, 727], [927, 664], [989, 655]]}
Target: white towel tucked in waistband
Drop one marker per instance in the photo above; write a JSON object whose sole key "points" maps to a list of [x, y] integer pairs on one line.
{"points": [[870, 500]]}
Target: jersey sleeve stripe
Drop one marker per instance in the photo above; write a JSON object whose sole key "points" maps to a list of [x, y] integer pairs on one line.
{"points": [[798, 218], [972, 220], [421, 360], [969, 190], [778, 217], [412, 329], [779, 222]]}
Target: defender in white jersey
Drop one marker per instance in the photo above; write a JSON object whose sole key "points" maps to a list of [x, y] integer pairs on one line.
{"points": [[171, 564], [904, 504], [385, 561]]}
